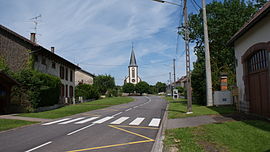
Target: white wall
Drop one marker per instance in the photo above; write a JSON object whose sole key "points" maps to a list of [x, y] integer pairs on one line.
{"points": [[259, 33], [56, 72], [81, 76]]}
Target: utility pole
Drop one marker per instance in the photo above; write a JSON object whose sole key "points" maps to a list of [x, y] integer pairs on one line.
{"points": [[189, 96], [174, 74], [170, 79], [207, 59]]}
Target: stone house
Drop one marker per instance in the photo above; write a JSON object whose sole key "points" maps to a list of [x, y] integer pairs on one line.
{"points": [[252, 52], [17, 50], [83, 77]]}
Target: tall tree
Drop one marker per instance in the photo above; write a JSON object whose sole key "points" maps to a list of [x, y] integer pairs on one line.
{"points": [[103, 83], [224, 20], [128, 88], [161, 87], [142, 87]]}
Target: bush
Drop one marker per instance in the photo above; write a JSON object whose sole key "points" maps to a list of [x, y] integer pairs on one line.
{"points": [[112, 93], [37, 88], [86, 91]]}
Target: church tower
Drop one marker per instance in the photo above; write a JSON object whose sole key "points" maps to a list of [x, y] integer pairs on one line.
{"points": [[132, 70]]}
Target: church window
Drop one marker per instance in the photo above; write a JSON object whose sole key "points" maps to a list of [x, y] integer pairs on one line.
{"points": [[133, 72]]}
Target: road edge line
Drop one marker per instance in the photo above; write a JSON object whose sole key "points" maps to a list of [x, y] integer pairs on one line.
{"points": [[158, 144]]}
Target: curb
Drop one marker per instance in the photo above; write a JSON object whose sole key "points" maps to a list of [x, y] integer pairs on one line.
{"points": [[158, 145]]}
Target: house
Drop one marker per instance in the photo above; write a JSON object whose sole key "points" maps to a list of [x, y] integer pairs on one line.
{"points": [[83, 77], [6, 83], [18, 51], [252, 52], [182, 82], [133, 76]]}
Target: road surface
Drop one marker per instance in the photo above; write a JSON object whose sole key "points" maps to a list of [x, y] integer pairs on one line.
{"points": [[128, 127]]}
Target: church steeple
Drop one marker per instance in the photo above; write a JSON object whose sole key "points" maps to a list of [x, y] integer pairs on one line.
{"points": [[132, 70], [132, 58]]}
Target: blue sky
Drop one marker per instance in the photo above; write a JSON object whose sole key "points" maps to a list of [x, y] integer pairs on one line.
{"points": [[97, 34]]}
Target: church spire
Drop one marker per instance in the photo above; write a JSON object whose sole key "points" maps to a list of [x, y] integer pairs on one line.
{"points": [[132, 58]]}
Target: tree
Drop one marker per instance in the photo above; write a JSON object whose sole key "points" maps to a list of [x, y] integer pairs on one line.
{"points": [[86, 91], [128, 88], [142, 87], [161, 87], [224, 20], [103, 83]]}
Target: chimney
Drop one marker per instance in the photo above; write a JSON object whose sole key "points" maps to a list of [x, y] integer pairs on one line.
{"points": [[52, 49], [33, 37]]}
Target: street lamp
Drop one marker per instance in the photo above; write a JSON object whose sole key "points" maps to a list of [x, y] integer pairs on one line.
{"points": [[189, 96]]}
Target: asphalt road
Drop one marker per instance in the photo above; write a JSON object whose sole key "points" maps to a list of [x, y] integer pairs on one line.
{"points": [[128, 127]]}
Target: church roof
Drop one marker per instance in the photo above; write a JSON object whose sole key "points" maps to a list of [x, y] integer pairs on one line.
{"points": [[132, 59]]}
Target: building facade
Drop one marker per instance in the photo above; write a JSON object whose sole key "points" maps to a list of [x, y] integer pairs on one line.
{"points": [[252, 52], [133, 76], [17, 51], [83, 77]]}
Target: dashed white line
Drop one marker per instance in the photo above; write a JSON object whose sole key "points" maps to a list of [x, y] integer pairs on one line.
{"points": [[128, 109], [39, 146], [135, 107], [102, 120], [70, 121], [54, 122], [86, 120], [80, 129], [137, 121], [117, 114], [154, 122], [119, 121]]}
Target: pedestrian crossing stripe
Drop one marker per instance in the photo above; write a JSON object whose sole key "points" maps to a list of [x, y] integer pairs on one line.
{"points": [[81, 120]]}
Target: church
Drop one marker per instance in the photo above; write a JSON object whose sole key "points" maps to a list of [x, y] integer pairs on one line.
{"points": [[132, 70]]}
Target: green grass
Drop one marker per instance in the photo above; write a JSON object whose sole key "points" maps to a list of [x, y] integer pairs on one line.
{"points": [[238, 136], [10, 123], [79, 108], [178, 108]]}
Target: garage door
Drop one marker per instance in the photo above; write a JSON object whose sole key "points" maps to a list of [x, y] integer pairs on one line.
{"points": [[258, 79]]}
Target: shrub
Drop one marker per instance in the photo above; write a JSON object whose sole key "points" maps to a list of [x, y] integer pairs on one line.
{"points": [[86, 91], [38, 88]]}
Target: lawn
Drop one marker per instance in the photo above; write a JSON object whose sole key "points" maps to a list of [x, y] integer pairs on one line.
{"points": [[237, 136], [79, 108], [178, 108], [10, 123]]}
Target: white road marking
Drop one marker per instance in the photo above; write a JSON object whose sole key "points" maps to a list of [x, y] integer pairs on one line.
{"points": [[128, 109], [120, 120], [135, 107], [154, 122], [102, 120], [70, 121], [54, 122], [86, 120], [137, 121], [39, 146], [80, 129], [117, 114]]}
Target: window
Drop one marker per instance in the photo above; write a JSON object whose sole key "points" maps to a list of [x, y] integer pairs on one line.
{"points": [[62, 72], [62, 90], [66, 90], [70, 91], [53, 65], [133, 72], [43, 61], [258, 61], [67, 74], [71, 76]]}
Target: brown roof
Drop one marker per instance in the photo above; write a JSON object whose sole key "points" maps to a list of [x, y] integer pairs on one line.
{"points": [[7, 79], [254, 19], [37, 48]]}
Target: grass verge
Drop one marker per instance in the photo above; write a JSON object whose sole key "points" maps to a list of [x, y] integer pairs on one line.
{"points": [[10, 123], [177, 109], [237, 136], [79, 108]]}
